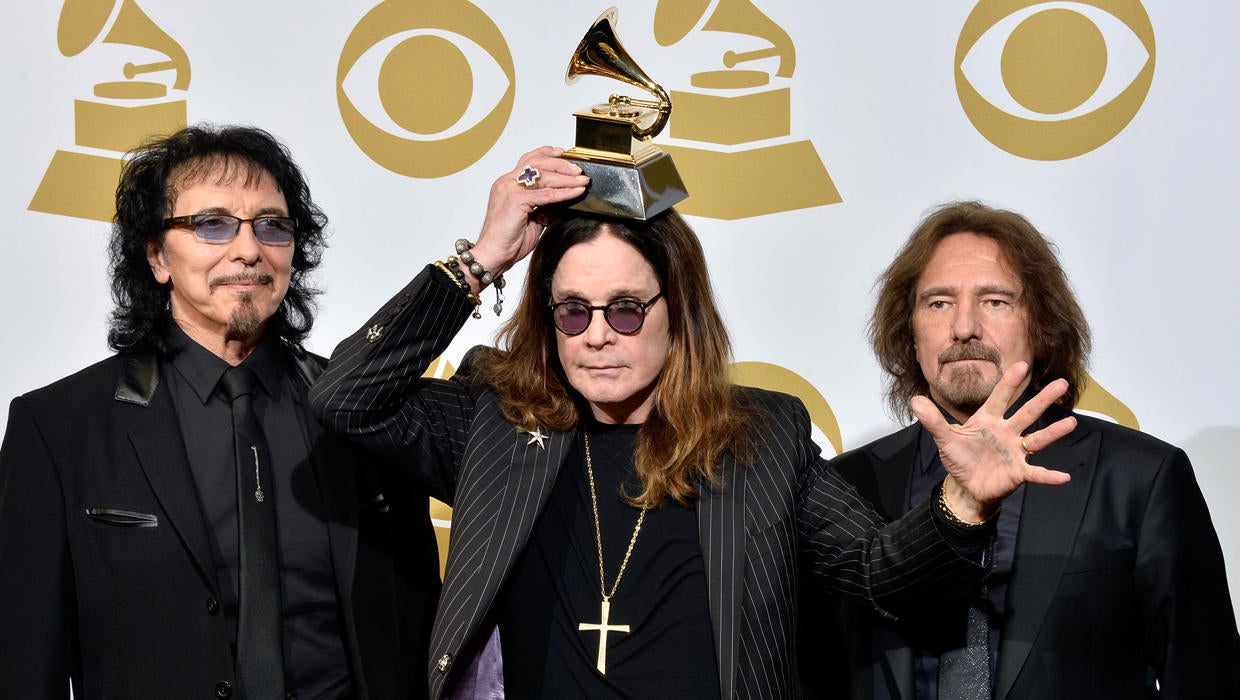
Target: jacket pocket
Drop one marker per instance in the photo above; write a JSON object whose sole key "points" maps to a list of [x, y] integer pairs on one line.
{"points": [[122, 518]]}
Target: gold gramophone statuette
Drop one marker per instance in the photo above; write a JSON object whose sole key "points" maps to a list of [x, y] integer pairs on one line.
{"points": [[630, 177]]}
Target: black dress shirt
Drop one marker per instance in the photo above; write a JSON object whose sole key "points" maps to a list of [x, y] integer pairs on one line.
{"points": [[927, 472], [315, 660]]}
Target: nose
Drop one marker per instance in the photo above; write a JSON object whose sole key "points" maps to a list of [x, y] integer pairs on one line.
{"points": [[245, 246], [599, 332], [966, 323]]}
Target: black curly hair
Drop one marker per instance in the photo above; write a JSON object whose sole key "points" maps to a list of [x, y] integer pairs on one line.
{"points": [[155, 173]]}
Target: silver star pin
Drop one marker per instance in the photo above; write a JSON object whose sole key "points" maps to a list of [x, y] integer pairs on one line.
{"points": [[536, 436]]}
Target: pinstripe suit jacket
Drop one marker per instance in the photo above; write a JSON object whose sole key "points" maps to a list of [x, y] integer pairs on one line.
{"points": [[785, 514]]}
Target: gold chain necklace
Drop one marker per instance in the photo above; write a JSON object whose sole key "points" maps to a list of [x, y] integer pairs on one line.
{"points": [[603, 627]]}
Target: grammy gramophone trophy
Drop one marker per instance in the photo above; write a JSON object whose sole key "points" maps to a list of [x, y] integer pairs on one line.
{"points": [[629, 176], [81, 182]]}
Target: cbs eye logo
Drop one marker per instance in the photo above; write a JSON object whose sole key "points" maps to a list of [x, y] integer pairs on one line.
{"points": [[425, 88], [1054, 80]]}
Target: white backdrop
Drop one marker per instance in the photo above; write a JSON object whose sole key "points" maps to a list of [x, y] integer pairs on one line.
{"points": [[1143, 212]]}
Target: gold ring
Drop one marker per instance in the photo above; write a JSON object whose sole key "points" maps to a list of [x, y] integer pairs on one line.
{"points": [[1025, 447]]}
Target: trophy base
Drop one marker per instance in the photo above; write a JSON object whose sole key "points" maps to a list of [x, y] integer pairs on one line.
{"points": [[631, 191], [754, 182]]}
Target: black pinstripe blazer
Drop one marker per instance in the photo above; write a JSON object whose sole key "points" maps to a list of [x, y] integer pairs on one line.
{"points": [[767, 522]]}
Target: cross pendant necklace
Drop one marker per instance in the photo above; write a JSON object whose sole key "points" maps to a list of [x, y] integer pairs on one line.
{"points": [[604, 626]]}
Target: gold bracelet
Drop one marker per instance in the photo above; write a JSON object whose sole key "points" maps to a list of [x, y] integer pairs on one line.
{"points": [[951, 514], [452, 270]]}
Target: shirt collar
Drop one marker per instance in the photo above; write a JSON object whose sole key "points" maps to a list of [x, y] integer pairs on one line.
{"points": [[202, 369]]}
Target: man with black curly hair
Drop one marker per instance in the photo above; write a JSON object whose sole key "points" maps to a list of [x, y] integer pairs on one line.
{"points": [[173, 523]]}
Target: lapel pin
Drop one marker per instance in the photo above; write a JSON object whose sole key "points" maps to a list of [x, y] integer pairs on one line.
{"points": [[536, 436]]}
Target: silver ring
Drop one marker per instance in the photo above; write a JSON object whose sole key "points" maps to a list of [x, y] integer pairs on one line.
{"points": [[528, 177]]}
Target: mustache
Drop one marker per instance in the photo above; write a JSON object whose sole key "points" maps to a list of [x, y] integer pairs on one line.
{"points": [[971, 351], [259, 277]]}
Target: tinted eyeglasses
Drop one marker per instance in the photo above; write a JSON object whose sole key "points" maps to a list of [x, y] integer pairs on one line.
{"points": [[222, 228], [623, 315]]}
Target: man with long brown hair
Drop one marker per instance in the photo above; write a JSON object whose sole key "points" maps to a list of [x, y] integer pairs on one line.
{"points": [[627, 522], [1112, 586]]}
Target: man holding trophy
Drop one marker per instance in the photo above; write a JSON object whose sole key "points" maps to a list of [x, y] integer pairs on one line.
{"points": [[627, 522]]}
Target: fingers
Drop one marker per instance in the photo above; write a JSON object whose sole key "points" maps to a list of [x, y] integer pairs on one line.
{"points": [[549, 168], [544, 196], [540, 153], [1043, 438], [929, 415], [1003, 393], [1042, 475], [540, 178], [1037, 405]]}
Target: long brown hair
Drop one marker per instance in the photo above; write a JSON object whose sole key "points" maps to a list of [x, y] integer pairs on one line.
{"points": [[1058, 332], [698, 414]]}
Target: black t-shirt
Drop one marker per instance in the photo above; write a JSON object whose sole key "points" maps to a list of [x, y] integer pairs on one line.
{"points": [[669, 650]]}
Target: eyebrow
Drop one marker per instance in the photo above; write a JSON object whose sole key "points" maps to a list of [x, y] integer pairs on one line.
{"points": [[627, 293], [983, 290], [265, 211]]}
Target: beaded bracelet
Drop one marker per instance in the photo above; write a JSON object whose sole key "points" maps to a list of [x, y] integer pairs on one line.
{"points": [[476, 269], [453, 270]]}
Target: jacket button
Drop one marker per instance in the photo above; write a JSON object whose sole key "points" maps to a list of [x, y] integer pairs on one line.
{"points": [[213, 607], [444, 663], [223, 690]]}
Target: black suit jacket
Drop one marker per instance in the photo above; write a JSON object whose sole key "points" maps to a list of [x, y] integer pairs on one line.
{"points": [[1117, 582], [106, 571], [784, 514]]}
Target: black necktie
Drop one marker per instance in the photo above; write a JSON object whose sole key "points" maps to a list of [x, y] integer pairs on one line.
{"points": [[964, 673], [260, 646]]}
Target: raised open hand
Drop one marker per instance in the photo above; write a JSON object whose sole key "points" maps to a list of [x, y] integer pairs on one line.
{"points": [[986, 457], [512, 227]]}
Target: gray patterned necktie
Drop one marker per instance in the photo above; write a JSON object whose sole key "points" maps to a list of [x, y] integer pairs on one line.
{"points": [[964, 673]]}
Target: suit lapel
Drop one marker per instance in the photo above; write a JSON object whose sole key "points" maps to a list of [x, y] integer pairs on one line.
{"points": [[505, 482], [721, 528], [893, 465], [160, 451], [1050, 519]]}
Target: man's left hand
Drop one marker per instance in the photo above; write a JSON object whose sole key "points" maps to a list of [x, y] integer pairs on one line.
{"points": [[985, 457]]}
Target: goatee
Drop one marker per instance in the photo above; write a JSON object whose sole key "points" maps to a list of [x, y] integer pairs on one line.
{"points": [[966, 387], [244, 321]]}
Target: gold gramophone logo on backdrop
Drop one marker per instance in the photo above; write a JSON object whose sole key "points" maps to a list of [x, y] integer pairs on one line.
{"points": [[1054, 80], [1096, 399], [407, 80], [744, 115], [82, 182], [629, 176], [765, 375]]}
